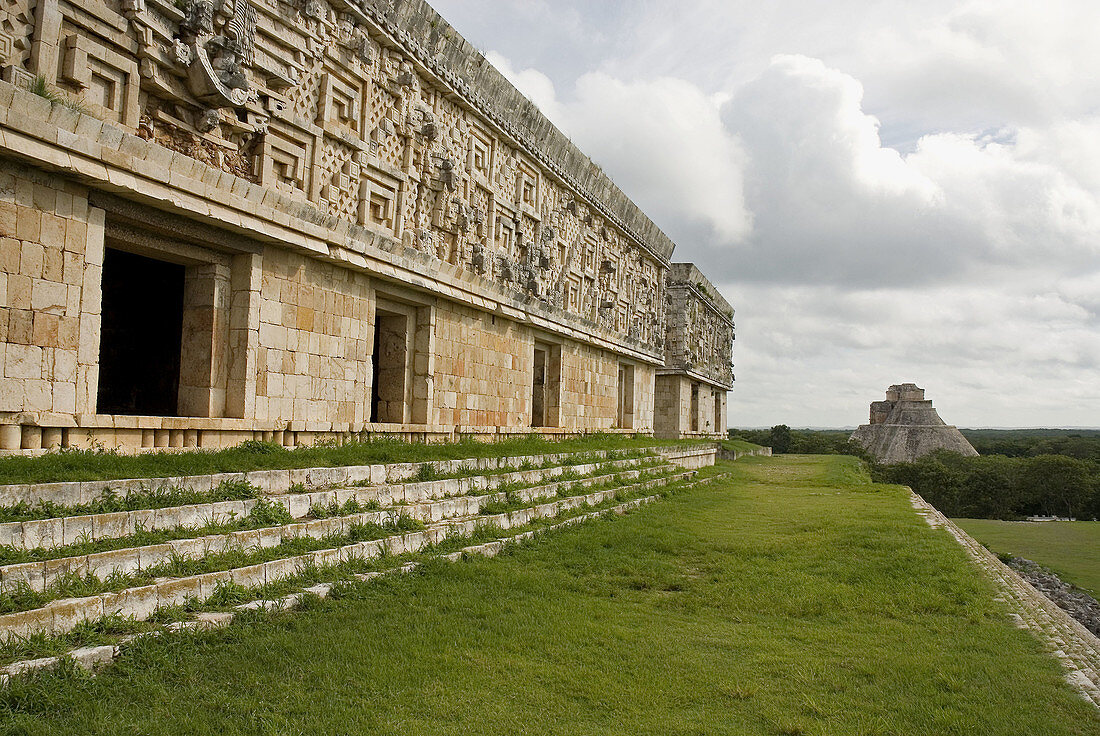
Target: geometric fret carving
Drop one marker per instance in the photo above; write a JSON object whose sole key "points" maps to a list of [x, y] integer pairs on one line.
{"points": [[311, 98], [106, 81]]}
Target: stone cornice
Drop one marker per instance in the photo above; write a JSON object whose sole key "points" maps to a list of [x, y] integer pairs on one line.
{"points": [[688, 275], [691, 372]]}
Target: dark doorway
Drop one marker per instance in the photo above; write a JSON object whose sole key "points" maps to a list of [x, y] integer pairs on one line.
{"points": [[389, 364], [141, 331], [538, 388], [694, 407]]}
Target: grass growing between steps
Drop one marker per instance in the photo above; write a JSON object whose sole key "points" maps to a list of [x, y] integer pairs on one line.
{"points": [[265, 513], [792, 598], [1069, 548], [229, 594], [154, 498], [81, 465], [23, 598]]}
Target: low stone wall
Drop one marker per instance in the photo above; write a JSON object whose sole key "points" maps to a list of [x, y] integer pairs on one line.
{"points": [[75, 493], [131, 435], [693, 457], [725, 454], [1071, 643]]}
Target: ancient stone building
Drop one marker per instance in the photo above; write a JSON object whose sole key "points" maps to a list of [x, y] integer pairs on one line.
{"points": [[906, 427], [691, 387], [301, 219]]}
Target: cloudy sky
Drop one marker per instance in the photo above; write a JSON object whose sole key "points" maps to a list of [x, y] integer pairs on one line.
{"points": [[886, 191]]}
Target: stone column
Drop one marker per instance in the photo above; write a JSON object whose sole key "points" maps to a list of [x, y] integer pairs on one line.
{"points": [[91, 307], [423, 380], [204, 351], [244, 336]]}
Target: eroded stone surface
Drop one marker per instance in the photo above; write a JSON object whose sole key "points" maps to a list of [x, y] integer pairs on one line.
{"points": [[905, 427], [309, 176], [691, 389]]}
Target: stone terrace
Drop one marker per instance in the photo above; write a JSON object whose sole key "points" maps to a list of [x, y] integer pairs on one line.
{"points": [[74, 566]]}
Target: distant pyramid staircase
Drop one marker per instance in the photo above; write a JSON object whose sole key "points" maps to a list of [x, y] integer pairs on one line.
{"points": [[906, 427]]}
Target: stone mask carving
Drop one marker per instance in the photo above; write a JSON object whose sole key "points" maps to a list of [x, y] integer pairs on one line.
{"points": [[213, 60]]}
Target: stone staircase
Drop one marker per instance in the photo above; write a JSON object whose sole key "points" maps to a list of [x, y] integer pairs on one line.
{"points": [[1075, 646], [78, 567]]}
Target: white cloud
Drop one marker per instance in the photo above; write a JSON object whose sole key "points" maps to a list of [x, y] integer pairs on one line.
{"points": [[965, 258], [1026, 207], [662, 138], [817, 355], [986, 62]]}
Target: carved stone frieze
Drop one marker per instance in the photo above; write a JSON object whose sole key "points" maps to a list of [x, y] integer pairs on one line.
{"points": [[362, 111], [700, 331]]}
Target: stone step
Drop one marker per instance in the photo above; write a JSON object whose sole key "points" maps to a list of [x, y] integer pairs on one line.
{"points": [[91, 658], [61, 616], [76, 493], [40, 575], [67, 530]]}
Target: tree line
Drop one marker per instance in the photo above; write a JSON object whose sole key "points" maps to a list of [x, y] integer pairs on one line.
{"points": [[782, 439], [1020, 472]]}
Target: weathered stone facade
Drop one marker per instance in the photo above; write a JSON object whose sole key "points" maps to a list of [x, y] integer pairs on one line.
{"points": [[691, 387], [293, 219], [905, 427]]}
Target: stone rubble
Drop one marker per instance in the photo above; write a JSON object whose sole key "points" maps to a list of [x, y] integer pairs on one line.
{"points": [[1071, 599], [1077, 648]]}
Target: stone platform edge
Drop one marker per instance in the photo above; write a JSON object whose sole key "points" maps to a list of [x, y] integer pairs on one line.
{"points": [[75, 493], [1077, 648]]}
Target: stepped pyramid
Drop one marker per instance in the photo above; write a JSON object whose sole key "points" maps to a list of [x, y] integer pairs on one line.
{"points": [[906, 427]]}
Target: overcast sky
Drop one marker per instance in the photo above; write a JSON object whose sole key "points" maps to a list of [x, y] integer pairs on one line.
{"points": [[885, 191]]}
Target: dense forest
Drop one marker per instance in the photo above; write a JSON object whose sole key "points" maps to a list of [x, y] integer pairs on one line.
{"points": [[1022, 472]]}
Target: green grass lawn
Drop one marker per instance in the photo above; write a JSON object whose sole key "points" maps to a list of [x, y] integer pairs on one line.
{"points": [[739, 445], [1069, 548], [794, 598]]}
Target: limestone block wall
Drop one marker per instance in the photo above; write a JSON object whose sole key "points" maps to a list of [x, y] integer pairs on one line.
{"points": [[484, 376], [589, 384], [316, 329], [51, 256], [669, 411], [274, 338], [685, 407], [645, 397], [483, 369]]}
